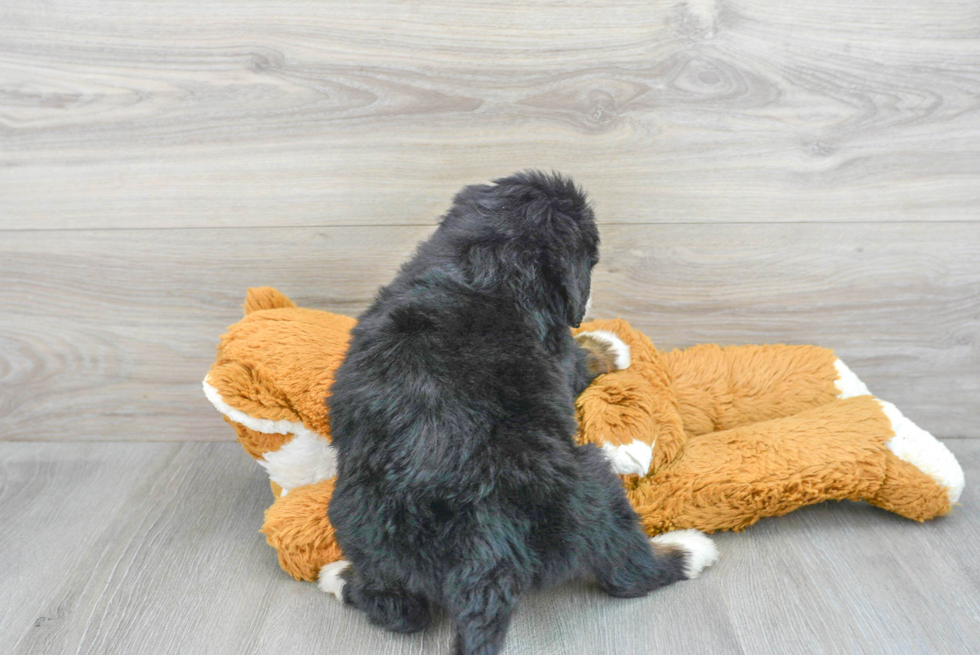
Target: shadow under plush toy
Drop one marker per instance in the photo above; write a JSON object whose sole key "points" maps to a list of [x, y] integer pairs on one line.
{"points": [[709, 438]]}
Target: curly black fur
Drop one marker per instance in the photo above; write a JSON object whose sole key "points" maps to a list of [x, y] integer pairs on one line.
{"points": [[459, 483]]}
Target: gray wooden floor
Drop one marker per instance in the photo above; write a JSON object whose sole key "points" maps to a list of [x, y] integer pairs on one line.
{"points": [[152, 548], [763, 171]]}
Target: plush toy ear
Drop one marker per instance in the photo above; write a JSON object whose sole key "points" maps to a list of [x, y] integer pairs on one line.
{"points": [[258, 298]]}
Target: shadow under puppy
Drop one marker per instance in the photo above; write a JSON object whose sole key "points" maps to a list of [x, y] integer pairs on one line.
{"points": [[459, 483]]}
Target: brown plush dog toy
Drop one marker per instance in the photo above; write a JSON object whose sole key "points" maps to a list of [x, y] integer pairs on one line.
{"points": [[709, 438]]}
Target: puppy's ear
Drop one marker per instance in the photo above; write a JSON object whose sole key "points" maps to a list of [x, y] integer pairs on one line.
{"points": [[578, 282], [569, 279]]}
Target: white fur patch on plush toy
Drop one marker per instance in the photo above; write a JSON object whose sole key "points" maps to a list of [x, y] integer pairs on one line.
{"points": [[306, 458], [847, 383], [919, 448], [330, 580], [629, 459], [700, 550], [619, 348]]}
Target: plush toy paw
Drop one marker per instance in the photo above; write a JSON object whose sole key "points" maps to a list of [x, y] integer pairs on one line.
{"points": [[919, 448], [331, 580], [629, 459], [699, 550], [607, 352]]}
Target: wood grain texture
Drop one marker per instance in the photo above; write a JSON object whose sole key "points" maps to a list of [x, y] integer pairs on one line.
{"points": [[302, 112], [146, 568], [139, 548], [104, 332], [843, 578]]}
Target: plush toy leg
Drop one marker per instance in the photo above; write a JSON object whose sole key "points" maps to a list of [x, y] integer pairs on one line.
{"points": [[729, 480], [630, 414], [722, 388], [923, 478], [296, 526]]}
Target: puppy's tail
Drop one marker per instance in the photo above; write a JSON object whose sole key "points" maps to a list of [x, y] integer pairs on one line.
{"points": [[257, 298], [695, 549]]}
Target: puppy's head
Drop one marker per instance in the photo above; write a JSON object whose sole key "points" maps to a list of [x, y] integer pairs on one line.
{"points": [[531, 233]]}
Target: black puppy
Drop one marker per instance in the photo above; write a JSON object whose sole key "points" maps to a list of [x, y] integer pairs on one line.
{"points": [[459, 483]]}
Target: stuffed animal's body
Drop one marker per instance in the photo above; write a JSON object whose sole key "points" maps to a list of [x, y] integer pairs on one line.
{"points": [[709, 438]]}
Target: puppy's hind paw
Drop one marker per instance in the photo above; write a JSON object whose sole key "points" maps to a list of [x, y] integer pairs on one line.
{"points": [[607, 352], [698, 549], [331, 580]]}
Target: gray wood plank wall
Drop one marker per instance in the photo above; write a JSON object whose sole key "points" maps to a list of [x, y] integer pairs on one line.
{"points": [[763, 172], [102, 329], [302, 112]]}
